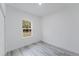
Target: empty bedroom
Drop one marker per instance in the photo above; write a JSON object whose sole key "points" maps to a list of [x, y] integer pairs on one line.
{"points": [[39, 29]]}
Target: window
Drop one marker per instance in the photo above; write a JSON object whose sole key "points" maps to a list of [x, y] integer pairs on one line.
{"points": [[26, 28]]}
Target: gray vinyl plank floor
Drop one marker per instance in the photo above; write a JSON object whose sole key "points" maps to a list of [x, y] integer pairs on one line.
{"points": [[37, 49]]}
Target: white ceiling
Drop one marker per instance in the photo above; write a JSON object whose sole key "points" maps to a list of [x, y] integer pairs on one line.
{"points": [[43, 10]]}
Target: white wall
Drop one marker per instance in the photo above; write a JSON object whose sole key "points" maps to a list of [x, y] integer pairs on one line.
{"points": [[3, 8], [62, 28], [13, 29], [2, 52]]}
